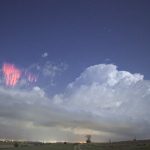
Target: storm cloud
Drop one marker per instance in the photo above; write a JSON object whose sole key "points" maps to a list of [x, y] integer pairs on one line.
{"points": [[103, 101]]}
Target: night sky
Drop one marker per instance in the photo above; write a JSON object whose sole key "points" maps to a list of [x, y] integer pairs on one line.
{"points": [[82, 66]]}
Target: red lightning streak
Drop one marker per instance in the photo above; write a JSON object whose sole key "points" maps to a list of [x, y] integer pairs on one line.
{"points": [[31, 78], [11, 74]]}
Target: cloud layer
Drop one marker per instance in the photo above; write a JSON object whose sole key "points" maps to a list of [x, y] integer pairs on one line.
{"points": [[102, 101]]}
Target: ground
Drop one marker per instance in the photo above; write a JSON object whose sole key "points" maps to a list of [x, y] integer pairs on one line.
{"points": [[130, 145]]}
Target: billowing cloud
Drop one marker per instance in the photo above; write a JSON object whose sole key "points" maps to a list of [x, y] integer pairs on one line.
{"points": [[115, 101], [102, 101]]}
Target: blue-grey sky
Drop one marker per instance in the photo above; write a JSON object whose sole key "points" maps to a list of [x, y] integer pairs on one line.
{"points": [[76, 48], [80, 33]]}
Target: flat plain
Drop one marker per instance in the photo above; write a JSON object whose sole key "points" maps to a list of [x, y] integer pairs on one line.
{"points": [[129, 145]]}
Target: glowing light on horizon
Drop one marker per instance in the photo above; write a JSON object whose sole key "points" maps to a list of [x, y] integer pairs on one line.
{"points": [[11, 73]]}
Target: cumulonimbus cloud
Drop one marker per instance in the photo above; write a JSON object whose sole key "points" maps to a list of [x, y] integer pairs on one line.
{"points": [[102, 101], [115, 101]]}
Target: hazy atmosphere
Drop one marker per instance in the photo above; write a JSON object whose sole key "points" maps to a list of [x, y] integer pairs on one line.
{"points": [[69, 68]]}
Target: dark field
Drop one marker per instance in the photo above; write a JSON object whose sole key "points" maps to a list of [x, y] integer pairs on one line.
{"points": [[136, 145]]}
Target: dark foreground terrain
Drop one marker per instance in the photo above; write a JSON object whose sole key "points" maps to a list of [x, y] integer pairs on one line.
{"points": [[129, 145]]}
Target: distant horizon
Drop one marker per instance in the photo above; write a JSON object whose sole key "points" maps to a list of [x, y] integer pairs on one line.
{"points": [[81, 142]]}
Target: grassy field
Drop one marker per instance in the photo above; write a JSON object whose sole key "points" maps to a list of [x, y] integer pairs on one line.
{"points": [[138, 145], [116, 146], [43, 147]]}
